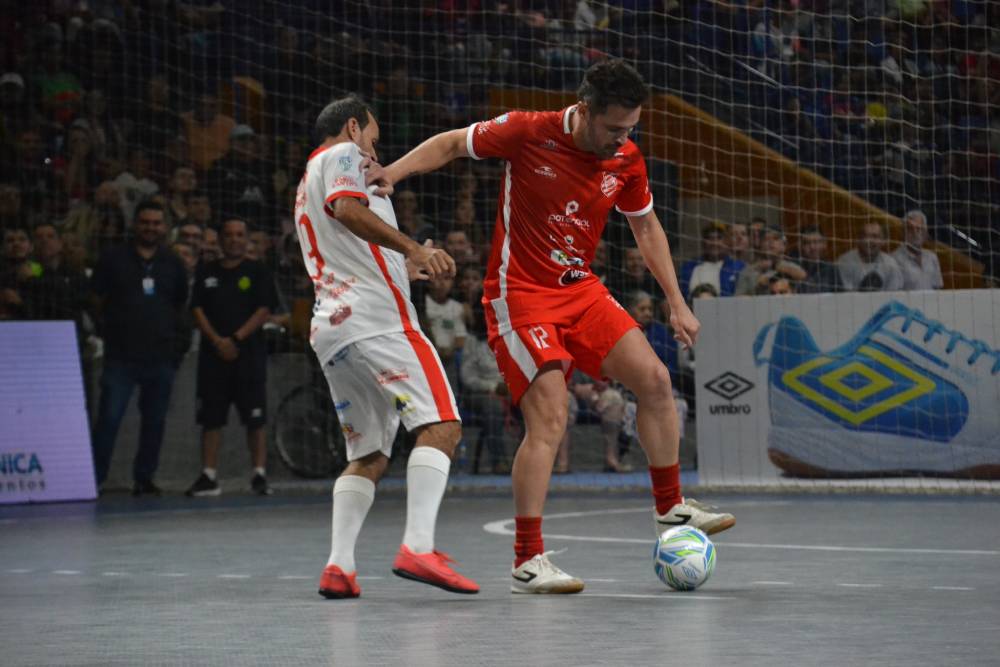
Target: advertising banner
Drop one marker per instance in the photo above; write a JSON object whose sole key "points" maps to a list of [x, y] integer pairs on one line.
{"points": [[44, 439], [860, 386]]}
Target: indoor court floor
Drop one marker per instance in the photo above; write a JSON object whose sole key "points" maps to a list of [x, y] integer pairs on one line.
{"points": [[801, 580]]}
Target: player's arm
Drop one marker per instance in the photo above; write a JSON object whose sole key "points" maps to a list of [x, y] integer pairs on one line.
{"points": [[369, 227], [652, 243], [432, 154]]}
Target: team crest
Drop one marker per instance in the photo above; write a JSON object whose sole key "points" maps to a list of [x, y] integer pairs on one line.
{"points": [[609, 184], [344, 162]]}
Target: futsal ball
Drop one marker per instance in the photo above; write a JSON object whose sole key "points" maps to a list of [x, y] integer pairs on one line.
{"points": [[684, 558]]}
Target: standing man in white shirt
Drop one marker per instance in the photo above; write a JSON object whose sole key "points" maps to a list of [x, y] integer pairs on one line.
{"points": [[921, 269], [380, 366]]}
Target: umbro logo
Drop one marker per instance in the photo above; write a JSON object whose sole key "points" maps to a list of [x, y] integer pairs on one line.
{"points": [[729, 385], [524, 577]]}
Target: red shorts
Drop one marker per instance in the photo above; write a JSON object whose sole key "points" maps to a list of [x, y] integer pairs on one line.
{"points": [[579, 335]]}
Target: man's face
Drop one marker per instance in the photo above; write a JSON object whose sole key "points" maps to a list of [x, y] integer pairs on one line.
{"points": [[190, 235], [457, 245], [607, 132], [465, 213], [441, 286], [872, 241], [183, 181], [234, 239], [642, 311], [150, 228], [187, 257], [635, 265], [915, 230], [739, 238], [48, 246], [713, 246], [16, 245], [813, 246], [774, 245], [210, 250], [261, 243], [367, 138], [781, 287], [10, 200], [200, 209], [471, 278]]}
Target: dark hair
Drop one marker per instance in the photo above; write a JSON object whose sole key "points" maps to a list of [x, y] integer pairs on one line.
{"points": [[332, 118], [703, 288], [612, 82], [146, 205]]}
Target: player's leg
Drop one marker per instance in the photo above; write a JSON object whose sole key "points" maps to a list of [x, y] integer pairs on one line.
{"points": [[632, 362], [422, 399]]}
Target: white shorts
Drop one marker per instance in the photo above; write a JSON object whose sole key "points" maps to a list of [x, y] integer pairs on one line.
{"points": [[378, 382]]}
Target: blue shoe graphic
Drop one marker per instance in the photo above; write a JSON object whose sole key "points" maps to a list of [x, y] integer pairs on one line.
{"points": [[905, 396]]}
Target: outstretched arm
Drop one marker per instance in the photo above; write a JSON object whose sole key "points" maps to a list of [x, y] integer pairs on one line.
{"points": [[432, 154], [652, 243]]}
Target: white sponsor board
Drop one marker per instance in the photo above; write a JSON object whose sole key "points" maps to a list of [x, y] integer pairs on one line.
{"points": [[45, 450], [860, 388]]}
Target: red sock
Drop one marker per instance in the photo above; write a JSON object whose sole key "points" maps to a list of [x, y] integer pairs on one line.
{"points": [[666, 486], [527, 538]]}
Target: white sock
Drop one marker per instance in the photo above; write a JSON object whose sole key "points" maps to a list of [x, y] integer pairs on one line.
{"points": [[426, 480], [352, 498], [209, 472]]}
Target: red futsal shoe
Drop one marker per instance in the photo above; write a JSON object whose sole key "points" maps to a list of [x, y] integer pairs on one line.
{"points": [[335, 584], [432, 568]]}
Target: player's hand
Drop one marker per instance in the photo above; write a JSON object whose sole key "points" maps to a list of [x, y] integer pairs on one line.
{"points": [[227, 349], [376, 175], [412, 271], [431, 261], [685, 325]]}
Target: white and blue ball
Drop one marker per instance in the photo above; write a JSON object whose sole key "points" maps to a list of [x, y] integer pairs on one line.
{"points": [[684, 558]]}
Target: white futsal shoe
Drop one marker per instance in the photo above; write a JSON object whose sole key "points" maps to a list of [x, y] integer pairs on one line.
{"points": [[689, 512], [539, 575]]}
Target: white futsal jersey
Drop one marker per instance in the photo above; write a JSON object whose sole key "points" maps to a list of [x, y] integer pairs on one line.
{"points": [[362, 289]]}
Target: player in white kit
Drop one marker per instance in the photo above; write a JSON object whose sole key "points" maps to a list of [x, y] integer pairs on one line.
{"points": [[381, 368]]}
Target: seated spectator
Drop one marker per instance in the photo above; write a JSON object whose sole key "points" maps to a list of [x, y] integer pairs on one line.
{"points": [[56, 291], [239, 184], [199, 209], [188, 256], [192, 235], [447, 326], [714, 267], [640, 306], [739, 242], [636, 276], [770, 261], [409, 218], [821, 275], [483, 391], [207, 131], [779, 285], [469, 290], [98, 224], [920, 267], [458, 245], [608, 404], [868, 268]]}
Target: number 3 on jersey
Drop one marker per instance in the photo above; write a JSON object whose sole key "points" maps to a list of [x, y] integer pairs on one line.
{"points": [[313, 253], [540, 337]]}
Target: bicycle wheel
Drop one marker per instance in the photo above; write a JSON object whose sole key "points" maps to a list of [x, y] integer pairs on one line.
{"points": [[307, 435]]}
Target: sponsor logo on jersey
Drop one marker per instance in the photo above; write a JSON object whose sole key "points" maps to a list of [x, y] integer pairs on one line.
{"points": [[344, 162], [343, 405], [243, 283], [390, 375], [211, 282], [403, 403], [340, 313], [563, 258], [571, 276], [344, 182], [482, 128], [609, 184], [569, 218], [335, 292], [546, 171], [501, 119]]}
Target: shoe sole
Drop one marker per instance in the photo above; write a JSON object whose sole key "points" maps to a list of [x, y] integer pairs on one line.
{"points": [[405, 574], [337, 595], [719, 527], [204, 494], [794, 467], [559, 589]]}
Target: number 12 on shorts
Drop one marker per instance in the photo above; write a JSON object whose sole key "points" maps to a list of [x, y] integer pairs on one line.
{"points": [[540, 337]]}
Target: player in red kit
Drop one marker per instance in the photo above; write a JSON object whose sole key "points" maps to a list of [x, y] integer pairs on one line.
{"points": [[548, 313]]}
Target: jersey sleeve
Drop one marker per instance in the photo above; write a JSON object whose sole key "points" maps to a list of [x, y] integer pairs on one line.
{"points": [[341, 174], [501, 137], [635, 198]]}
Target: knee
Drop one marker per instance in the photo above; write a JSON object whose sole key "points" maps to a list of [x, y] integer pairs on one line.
{"points": [[656, 386]]}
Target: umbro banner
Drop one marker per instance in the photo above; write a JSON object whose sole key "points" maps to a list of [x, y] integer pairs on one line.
{"points": [[862, 389], [44, 440]]}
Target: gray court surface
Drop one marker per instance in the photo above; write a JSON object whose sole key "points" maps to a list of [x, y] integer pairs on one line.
{"points": [[801, 580]]}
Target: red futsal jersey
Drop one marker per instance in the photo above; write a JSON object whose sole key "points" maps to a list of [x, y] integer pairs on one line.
{"points": [[553, 206]]}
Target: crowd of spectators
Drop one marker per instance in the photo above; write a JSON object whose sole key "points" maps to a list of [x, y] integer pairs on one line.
{"points": [[205, 110]]}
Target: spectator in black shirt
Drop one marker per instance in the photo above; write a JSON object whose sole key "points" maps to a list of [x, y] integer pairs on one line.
{"points": [[232, 298], [141, 289], [57, 291], [821, 274]]}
